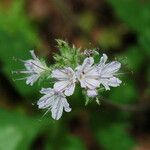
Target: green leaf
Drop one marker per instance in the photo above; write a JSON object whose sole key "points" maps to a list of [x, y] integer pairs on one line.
{"points": [[136, 16], [144, 41], [125, 94], [134, 58], [115, 137], [73, 143], [10, 136], [17, 38], [134, 13], [17, 131]]}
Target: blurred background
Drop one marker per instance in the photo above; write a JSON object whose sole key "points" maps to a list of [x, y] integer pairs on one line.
{"points": [[120, 28]]}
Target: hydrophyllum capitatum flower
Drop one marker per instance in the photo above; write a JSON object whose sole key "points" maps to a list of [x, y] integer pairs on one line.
{"points": [[54, 101], [34, 69], [107, 72], [66, 80], [88, 76]]}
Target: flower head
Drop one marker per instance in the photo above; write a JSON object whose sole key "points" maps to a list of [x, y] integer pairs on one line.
{"points": [[107, 72], [67, 72], [66, 80], [88, 76], [54, 101], [34, 69]]}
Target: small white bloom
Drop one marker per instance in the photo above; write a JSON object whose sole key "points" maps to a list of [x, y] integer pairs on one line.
{"points": [[107, 72], [54, 101], [88, 76], [34, 69], [66, 80]]}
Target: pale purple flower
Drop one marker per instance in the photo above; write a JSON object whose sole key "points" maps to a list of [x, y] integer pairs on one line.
{"points": [[88, 76], [65, 80], [34, 69], [107, 72], [54, 101]]}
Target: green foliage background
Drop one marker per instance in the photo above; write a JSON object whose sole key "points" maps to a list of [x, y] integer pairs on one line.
{"points": [[107, 126]]}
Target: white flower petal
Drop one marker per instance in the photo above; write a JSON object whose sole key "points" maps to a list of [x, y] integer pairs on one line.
{"points": [[66, 105], [88, 75], [107, 72], [69, 70], [83, 83], [103, 59], [28, 65], [104, 82], [59, 74], [62, 73], [70, 90], [110, 69], [66, 80], [33, 55], [61, 85], [34, 68], [54, 102], [88, 62], [114, 82], [102, 62], [57, 108], [92, 73], [46, 90], [92, 83], [91, 93], [46, 101], [32, 79]]}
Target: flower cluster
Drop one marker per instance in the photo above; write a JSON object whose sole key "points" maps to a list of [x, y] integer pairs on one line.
{"points": [[89, 75]]}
